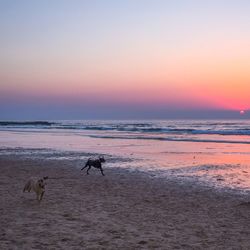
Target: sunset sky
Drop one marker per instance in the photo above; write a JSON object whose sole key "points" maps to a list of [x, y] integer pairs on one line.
{"points": [[101, 59]]}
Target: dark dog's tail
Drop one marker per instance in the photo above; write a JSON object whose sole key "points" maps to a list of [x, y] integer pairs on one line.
{"points": [[87, 163]]}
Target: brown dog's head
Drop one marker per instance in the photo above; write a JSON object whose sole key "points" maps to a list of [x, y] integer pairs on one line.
{"points": [[41, 183]]}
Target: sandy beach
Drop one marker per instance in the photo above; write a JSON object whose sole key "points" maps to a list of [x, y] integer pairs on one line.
{"points": [[160, 89], [122, 210]]}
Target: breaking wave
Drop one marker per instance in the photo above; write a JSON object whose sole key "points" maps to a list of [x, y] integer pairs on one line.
{"points": [[152, 127]]}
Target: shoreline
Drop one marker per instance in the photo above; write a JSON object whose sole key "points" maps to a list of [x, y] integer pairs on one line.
{"points": [[123, 209], [180, 176]]}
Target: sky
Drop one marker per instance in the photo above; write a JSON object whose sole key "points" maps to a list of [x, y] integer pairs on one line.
{"points": [[132, 59]]}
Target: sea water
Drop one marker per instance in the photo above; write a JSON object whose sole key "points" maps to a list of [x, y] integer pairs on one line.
{"points": [[212, 152]]}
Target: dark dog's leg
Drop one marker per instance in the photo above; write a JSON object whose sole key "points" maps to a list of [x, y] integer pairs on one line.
{"points": [[85, 166], [88, 169], [102, 170]]}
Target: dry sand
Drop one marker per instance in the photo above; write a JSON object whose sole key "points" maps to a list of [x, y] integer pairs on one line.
{"points": [[122, 210]]}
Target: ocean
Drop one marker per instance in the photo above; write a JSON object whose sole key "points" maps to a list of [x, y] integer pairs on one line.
{"points": [[207, 152]]}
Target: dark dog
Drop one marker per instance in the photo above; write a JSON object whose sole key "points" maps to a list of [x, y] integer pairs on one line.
{"points": [[96, 163]]}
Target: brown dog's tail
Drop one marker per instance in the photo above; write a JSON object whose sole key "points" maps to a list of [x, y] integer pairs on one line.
{"points": [[26, 187]]}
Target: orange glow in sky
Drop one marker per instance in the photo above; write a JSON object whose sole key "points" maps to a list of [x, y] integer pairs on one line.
{"points": [[191, 54]]}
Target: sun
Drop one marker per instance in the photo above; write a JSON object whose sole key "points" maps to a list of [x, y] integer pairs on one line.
{"points": [[242, 112]]}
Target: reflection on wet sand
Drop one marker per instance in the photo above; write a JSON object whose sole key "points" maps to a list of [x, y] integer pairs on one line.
{"points": [[217, 164]]}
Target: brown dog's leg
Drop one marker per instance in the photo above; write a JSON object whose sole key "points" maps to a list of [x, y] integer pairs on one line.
{"points": [[41, 196]]}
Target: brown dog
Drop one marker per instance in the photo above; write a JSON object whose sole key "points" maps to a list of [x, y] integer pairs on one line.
{"points": [[37, 186]]}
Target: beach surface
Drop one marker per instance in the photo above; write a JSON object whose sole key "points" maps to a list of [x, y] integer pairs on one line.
{"points": [[121, 210]]}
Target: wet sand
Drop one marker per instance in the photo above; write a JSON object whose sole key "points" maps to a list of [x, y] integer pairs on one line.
{"points": [[122, 210]]}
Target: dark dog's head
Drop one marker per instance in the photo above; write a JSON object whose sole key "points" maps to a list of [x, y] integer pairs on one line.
{"points": [[101, 159]]}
